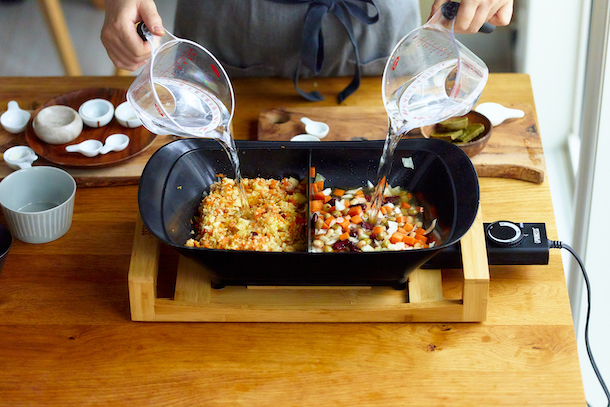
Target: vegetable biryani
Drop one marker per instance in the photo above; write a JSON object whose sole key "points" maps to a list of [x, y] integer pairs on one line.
{"points": [[275, 220]]}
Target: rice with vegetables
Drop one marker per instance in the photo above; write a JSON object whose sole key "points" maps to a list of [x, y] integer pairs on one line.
{"points": [[275, 220]]}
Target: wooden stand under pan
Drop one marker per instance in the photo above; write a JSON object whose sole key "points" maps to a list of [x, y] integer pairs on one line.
{"points": [[194, 300]]}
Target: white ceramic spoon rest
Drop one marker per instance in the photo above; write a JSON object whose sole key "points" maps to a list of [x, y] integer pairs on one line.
{"points": [[497, 114]]}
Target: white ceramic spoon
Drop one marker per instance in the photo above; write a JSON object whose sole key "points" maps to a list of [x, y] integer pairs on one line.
{"points": [[318, 129], [115, 142], [497, 114], [88, 148]]}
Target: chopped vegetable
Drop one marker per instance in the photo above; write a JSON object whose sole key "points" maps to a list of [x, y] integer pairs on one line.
{"points": [[458, 130], [345, 223]]}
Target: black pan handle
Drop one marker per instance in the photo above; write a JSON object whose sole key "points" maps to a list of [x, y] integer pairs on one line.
{"points": [[450, 10], [142, 30]]}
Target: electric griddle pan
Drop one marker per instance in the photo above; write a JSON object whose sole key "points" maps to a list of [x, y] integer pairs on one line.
{"points": [[442, 178]]}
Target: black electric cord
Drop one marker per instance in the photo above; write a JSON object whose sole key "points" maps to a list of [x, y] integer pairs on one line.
{"points": [[560, 245]]}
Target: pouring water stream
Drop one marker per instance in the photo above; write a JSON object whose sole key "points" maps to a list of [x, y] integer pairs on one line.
{"points": [[428, 78]]}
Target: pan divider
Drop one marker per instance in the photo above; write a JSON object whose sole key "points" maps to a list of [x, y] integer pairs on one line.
{"points": [[195, 301]]}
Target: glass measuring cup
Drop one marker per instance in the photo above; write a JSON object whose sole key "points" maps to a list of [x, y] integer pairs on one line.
{"points": [[183, 89], [428, 78]]}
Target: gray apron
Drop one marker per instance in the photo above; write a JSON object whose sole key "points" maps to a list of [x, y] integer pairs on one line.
{"points": [[267, 37]]}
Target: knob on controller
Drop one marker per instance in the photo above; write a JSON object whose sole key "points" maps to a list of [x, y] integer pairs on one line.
{"points": [[504, 233]]}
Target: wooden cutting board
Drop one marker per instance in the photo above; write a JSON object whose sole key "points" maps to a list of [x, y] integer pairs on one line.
{"points": [[126, 173], [514, 149]]}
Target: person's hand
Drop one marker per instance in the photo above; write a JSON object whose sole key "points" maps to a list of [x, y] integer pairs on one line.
{"points": [[474, 13], [123, 44]]}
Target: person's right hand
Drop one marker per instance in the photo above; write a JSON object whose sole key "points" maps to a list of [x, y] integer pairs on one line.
{"points": [[123, 44]]}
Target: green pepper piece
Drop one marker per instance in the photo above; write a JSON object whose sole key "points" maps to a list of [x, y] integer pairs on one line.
{"points": [[471, 132], [447, 134], [454, 123]]}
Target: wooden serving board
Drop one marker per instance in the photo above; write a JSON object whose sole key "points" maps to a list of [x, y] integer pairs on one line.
{"points": [[514, 149], [126, 172], [113, 169], [139, 138]]}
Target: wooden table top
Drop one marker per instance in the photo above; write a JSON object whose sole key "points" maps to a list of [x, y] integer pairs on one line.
{"points": [[66, 337]]}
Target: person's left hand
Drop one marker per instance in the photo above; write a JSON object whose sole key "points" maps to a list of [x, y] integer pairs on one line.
{"points": [[474, 13]]}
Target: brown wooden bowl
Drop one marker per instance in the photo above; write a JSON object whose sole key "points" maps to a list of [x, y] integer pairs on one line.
{"points": [[140, 137], [474, 146]]}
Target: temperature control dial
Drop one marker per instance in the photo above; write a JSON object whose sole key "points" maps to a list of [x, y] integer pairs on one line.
{"points": [[504, 233]]}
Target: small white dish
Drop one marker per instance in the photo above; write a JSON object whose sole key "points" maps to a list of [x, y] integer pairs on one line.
{"points": [[497, 114], [19, 157], [317, 129], [38, 203], [305, 137], [88, 148], [126, 116], [96, 112], [115, 142], [57, 124], [15, 119]]}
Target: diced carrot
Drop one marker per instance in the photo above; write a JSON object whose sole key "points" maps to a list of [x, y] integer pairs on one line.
{"points": [[346, 203], [403, 231], [314, 188], [316, 205], [397, 237], [356, 219], [408, 227], [359, 193], [338, 192], [344, 236], [312, 172], [421, 238], [383, 209], [377, 229], [327, 198], [355, 210], [401, 219], [329, 219], [319, 195], [420, 231], [325, 226], [405, 205], [408, 240], [409, 195], [345, 224], [320, 185]]}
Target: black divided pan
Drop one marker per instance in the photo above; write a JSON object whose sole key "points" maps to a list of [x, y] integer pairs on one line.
{"points": [[175, 177]]}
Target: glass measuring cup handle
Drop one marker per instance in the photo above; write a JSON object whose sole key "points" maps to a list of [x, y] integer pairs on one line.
{"points": [[450, 10], [143, 31]]}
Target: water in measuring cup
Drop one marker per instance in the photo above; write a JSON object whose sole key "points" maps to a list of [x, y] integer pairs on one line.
{"points": [[199, 114]]}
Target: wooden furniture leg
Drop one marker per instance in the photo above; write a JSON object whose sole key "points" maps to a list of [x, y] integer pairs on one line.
{"points": [[61, 35]]}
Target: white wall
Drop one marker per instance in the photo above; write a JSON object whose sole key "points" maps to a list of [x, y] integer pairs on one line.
{"points": [[555, 48]]}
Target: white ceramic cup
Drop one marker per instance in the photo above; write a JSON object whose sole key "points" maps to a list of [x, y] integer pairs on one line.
{"points": [[96, 112], [305, 137], [126, 116], [37, 203]]}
